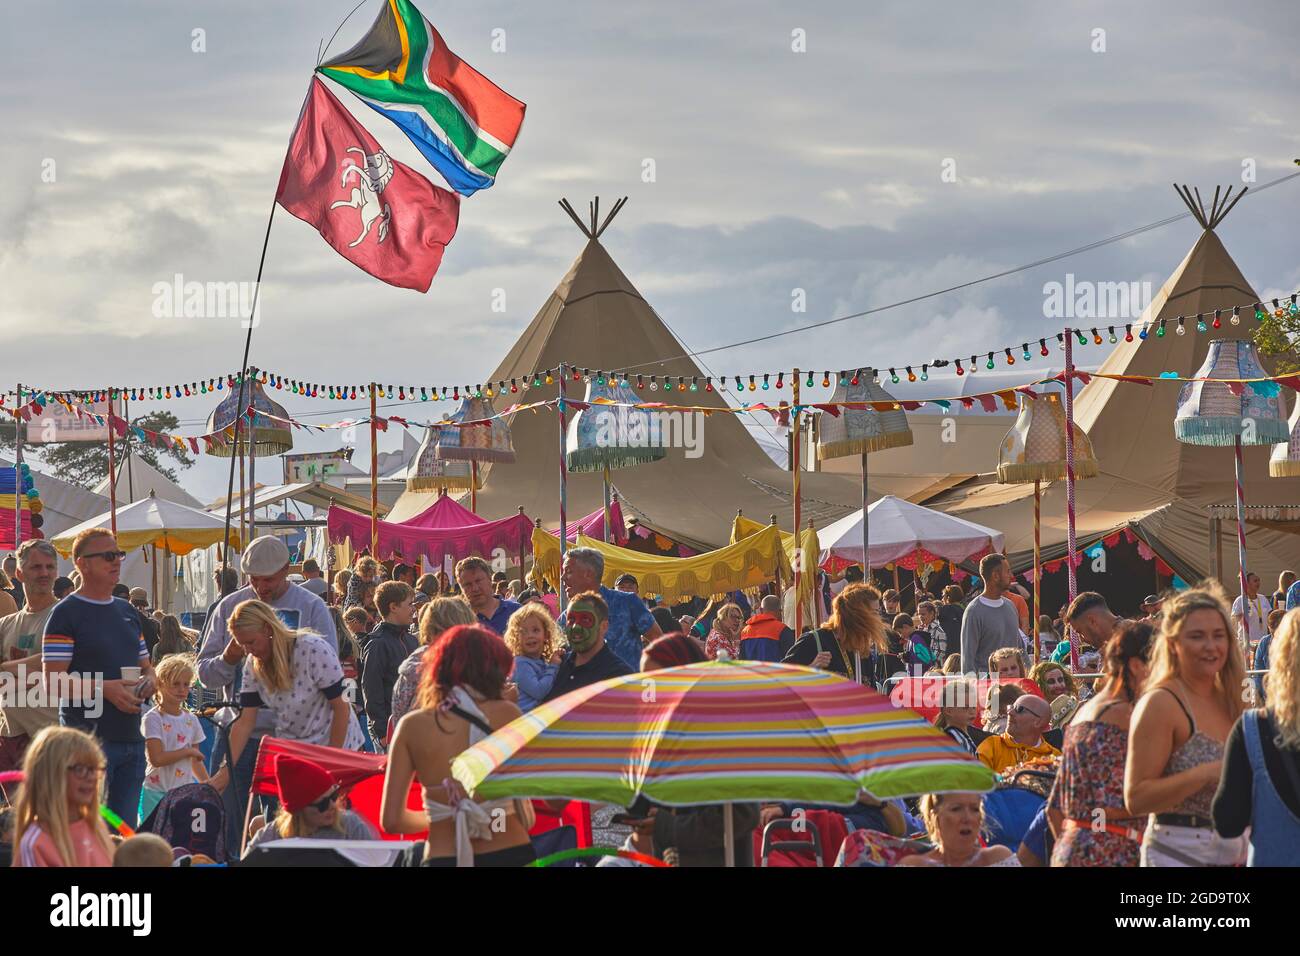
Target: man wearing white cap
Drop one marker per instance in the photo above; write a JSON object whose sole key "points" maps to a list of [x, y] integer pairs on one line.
{"points": [[266, 562]]}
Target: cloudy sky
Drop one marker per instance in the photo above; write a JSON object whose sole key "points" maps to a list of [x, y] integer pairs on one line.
{"points": [[775, 169]]}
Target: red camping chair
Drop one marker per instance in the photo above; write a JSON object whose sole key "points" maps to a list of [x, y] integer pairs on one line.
{"points": [[778, 844]]}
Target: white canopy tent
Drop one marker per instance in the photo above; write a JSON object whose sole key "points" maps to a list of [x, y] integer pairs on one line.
{"points": [[898, 529]]}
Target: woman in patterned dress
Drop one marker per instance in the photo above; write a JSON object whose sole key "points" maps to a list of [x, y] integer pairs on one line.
{"points": [[1091, 775]]}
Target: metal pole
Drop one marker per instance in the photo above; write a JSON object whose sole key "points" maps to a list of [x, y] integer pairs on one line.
{"points": [[1038, 569], [473, 486], [252, 474], [605, 475], [18, 470], [374, 477], [112, 472], [564, 483], [798, 512], [126, 455], [866, 553], [1241, 538], [728, 835], [1069, 484]]}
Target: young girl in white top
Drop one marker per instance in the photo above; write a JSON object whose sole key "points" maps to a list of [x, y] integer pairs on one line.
{"points": [[171, 734]]}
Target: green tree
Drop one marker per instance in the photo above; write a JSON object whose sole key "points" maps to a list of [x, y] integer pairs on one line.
{"points": [[86, 463], [1279, 338]]}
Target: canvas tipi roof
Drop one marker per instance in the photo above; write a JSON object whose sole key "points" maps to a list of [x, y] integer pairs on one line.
{"points": [[137, 479], [1148, 479], [597, 319]]}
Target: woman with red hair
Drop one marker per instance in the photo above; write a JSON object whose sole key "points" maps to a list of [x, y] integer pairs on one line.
{"points": [[459, 702]]}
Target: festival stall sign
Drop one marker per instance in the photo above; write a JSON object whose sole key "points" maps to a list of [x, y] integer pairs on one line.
{"points": [[1035, 449], [155, 521], [434, 541], [60, 422], [749, 563], [315, 466], [717, 732]]}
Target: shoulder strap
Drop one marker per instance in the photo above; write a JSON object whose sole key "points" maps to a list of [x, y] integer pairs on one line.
{"points": [[471, 719], [1190, 719], [1289, 757]]}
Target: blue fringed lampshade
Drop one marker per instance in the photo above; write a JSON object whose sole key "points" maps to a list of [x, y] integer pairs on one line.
{"points": [[1211, 413], [490, 442], [612, 436], [857, 431]]}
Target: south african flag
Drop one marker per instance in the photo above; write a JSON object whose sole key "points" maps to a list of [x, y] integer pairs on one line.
{"points": [[463, 123]]}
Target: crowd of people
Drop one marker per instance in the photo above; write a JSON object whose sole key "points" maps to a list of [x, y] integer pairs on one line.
{"points": [[1148, 744]]}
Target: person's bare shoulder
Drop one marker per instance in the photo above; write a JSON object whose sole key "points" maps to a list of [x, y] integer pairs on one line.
{"points": [[500, 712], [993, 854]]}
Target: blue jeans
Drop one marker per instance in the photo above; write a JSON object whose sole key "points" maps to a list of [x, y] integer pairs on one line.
{"points": [[236, 795], [124, 777]]}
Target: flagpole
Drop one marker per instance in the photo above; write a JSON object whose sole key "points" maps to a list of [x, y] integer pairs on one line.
{"points": [[564, 483], [248, 344], [374, 477]]}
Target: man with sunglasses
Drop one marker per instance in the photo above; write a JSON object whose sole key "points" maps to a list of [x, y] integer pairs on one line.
{"points": [[92, 635], [1028, 719]]}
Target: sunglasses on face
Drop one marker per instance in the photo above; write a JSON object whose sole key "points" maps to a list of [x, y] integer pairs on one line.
{"points": [[109, 556], [85, 771], [325, 802], [1022, 709]]}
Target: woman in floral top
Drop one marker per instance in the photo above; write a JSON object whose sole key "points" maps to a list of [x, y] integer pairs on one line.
{"points": [[725, 635], [1091, 775]]}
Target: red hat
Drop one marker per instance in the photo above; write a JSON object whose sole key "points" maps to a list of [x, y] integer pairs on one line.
{"points": [[301, 782]]}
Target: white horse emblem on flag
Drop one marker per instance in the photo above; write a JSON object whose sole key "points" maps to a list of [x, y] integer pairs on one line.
{"points": [[371, 180]]}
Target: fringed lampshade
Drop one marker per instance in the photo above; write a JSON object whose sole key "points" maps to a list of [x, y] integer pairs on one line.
{"points": [[269, 436], [490, 442], [1211, 413], [430, 473], [1034, 449], [1285, 462], [612, 436], [861, 430]]}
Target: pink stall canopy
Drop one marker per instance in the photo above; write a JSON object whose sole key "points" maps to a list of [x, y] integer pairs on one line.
{"points": [[433, 539], [593, 525]]}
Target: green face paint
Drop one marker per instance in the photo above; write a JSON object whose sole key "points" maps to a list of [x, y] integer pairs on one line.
{"points": [[582, 626]]}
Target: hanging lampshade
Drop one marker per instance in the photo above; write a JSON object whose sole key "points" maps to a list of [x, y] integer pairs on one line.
{"points": [[430, 473], [1285, 460], [269, 437], [1210, 414], [857, 431], [1034, 449], [490, 442], [602, 436]]}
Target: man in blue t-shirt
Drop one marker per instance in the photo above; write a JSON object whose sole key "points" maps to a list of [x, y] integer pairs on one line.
{"points": [[474, 575], [91, 636], [631, 625]]}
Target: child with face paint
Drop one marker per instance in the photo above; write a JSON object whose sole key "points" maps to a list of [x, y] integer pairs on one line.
{"points": [[588, 659]]}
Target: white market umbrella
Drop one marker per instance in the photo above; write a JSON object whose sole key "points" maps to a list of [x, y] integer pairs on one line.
{"points": [[900, 528]]}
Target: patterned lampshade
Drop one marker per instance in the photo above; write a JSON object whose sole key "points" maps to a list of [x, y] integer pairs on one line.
{"points": [[1034, 449], [1211, 413], [1285, 461], [490, 442], [860, 430], [430, 473], [603, 436], [269, 437]]}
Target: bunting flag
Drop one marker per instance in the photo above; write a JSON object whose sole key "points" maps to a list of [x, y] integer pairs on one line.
{"points": [[377, 213], [462, 122]]}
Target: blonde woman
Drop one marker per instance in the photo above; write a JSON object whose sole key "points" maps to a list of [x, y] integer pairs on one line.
{"points": [[57, 817], [853, 642], [725, 635], [294, 674], [440, 614], [1260, 785], [1191, 700], [954, 822], [535, 640]]}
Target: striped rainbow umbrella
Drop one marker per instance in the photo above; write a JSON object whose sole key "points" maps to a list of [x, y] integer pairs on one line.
{"points": [[718, 732]]}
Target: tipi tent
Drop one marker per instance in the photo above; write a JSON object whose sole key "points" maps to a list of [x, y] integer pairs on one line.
{"points": [[1149, 481], [137, 480], [597, 319]]}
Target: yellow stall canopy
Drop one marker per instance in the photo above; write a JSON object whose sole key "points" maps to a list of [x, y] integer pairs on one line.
{"points": [[744, 527], [155, 521], [748, 563]]}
